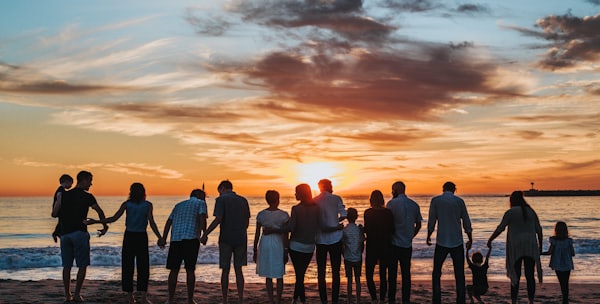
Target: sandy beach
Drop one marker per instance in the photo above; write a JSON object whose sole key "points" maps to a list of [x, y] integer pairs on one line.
{"points": [[50, 291]]}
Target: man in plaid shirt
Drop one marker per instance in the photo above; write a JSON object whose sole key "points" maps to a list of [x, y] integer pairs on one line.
{"points": [[187, 222]]}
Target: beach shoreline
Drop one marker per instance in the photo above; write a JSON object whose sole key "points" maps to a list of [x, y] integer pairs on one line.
{"points": [[100, 291]]}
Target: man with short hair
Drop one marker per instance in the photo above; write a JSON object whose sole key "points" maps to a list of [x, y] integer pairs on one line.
{"points": [[407, 223], [329, 239], [187, 221], [449, 211], [232, 213], [72, 210]]}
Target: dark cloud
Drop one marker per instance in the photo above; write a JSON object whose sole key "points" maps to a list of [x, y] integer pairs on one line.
{"points": [[173, 112], [344, 17], [207, 25], [574, 40], [594, 2], [54, 87], [401, 84], [412, 5], [472, 9]]}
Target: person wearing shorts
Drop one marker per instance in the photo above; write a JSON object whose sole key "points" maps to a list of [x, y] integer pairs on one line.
{"points": [[232, 213], [72, 209], [187, 221]]}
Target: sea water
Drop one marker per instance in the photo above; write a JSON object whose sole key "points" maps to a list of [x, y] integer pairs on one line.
{"points": [[27, 251]]}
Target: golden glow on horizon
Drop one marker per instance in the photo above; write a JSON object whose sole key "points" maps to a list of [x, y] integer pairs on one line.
{"points": [[311, 173]]}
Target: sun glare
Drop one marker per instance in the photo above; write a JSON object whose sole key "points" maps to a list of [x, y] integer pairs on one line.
{"points": [[311, 173]]}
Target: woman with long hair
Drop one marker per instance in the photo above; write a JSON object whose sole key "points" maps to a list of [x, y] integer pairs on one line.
{"points": [[303, 225], [135, 241], [523, 244]]}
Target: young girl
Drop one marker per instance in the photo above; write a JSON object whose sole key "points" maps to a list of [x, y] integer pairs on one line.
{"points": [[135, 240], [561, 253], [479, 268], [271, 254]]}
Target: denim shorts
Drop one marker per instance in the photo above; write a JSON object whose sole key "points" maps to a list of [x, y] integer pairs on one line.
{"points": [[75, 246]]}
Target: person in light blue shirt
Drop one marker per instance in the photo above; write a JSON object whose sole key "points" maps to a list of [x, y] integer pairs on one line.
{"points": [[450, 213], [407, 223], [135, 241]]}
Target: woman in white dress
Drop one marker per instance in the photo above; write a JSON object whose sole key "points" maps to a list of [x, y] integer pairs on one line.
{"points": [[270, 253]]}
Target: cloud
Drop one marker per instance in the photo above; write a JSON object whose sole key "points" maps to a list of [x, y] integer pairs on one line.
{"points": [[529, 135], [344, 17], [140, 169], [54, 87], [412, 5], [568, 166], [405, 84], [574, 40], [471, 9], [207, 24]]}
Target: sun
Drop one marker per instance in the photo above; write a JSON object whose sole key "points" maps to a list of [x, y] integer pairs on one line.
{"points": [[311, 173]]}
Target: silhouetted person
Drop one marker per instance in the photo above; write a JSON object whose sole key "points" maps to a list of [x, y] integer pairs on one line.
{"points": [[479, 269], [407, 223], [187, 221], [450, 213], [72, 210], [379, 227], [561, 253], [232, 213], [523, 244], [329, 239], [66, 181], [303, 227]]}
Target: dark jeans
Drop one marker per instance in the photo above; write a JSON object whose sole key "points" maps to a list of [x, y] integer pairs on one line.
{"points": [[563, 279], [335, 256], [458, 261], [402, 256], [135, 250], [371, 259], [529, 265], [300, 260]]}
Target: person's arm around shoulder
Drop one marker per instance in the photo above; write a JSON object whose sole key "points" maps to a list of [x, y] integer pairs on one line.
{"points": [[151, 221]]}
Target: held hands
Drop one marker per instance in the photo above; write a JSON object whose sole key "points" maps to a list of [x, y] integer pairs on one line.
{"points": [[204, 239], [469, 244], [254, 256], [489, 243], [102, 231], [161, 243], [428, 241]]}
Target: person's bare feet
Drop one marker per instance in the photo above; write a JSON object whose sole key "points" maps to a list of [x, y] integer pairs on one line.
{"points": [[78, 298]]}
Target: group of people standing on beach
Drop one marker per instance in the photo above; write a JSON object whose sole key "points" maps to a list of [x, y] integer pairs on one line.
{"points": [[314, 226]]}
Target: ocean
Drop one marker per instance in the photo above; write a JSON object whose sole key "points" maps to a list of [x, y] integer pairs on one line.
{"points": [[27, 251]]}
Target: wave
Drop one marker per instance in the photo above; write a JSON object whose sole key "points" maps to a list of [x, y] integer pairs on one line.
{"points": [[24, 258]]}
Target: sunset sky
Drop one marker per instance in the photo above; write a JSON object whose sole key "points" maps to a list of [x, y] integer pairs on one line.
{"points": [[492, 95]]}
